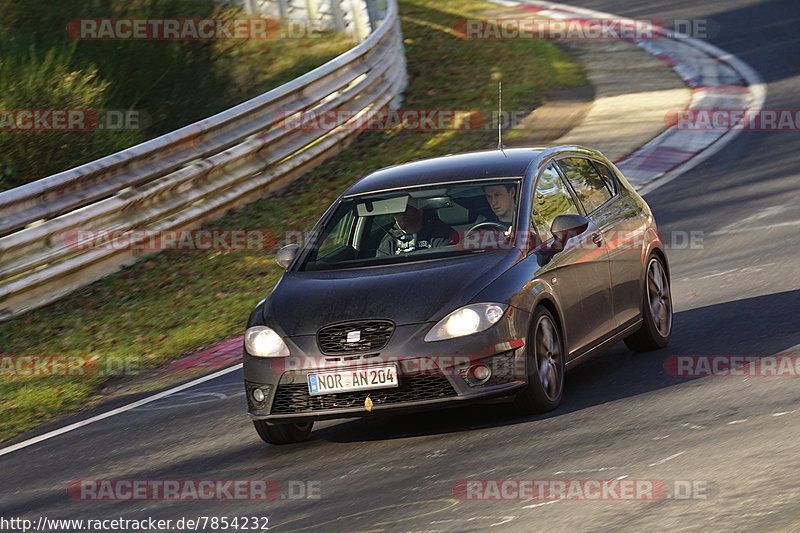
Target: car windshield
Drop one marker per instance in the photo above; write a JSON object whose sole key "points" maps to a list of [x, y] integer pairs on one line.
{"points": [[417, 224]]}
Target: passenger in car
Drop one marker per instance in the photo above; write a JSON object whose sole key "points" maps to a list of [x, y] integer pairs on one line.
{"points": [[415, 229]]}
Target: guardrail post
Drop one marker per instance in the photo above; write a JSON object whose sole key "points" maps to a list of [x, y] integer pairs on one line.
{"points": [[283, 9], [311, 9], [359, 30], [376, 10], [338, 16]]}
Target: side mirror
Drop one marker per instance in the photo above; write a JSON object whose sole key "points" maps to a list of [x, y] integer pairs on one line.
{"points": [[564, 227], [285, 255]]}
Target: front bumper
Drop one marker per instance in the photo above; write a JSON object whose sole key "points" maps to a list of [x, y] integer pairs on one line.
{"points": [[409, 406], [291, 401], [440, 378]]}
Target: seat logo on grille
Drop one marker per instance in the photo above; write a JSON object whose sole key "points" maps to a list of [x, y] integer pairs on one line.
{"points": [[353, 336]]}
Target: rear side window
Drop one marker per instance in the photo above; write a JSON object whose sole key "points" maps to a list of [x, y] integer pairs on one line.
{"points": [[607, 176], [589, 185], [550, 199]]}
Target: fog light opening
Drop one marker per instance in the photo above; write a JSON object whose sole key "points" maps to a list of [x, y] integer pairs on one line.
{"points": [[258, 395], [479, 374]]}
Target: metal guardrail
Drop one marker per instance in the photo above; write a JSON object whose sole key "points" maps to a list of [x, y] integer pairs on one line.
{"points": [[349, 16], [187, 176]]}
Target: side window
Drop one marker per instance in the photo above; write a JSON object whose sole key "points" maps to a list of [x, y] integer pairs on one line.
{"points": [[338, 236], [607, 175], [588, 184], [550, 199]]}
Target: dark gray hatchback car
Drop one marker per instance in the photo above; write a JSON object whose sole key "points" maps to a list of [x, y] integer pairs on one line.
{"points": [[454, 279]]}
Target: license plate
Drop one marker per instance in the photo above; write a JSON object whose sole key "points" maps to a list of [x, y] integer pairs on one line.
{"points": [[374, 377]]}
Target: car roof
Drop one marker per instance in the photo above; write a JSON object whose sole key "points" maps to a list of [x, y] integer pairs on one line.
{"points": [[510, 162]]}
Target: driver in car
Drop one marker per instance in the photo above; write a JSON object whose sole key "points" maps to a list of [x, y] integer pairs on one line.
{"points": [[413, 230], [502, 200]]}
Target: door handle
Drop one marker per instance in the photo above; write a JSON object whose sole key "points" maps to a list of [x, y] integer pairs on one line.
{"points": [[597, 239]]}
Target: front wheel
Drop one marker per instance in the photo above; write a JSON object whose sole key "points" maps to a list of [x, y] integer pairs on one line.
{"points": [[545, 362], [656, 311], [283, 433]]}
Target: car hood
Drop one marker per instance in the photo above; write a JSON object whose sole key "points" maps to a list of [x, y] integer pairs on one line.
{"points": [[303, 302]]}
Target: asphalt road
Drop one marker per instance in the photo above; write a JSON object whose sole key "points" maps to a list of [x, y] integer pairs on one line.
{"points": [[623, 416]]}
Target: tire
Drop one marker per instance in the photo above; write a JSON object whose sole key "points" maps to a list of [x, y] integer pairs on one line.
{"points": [[545, 366], [282, 433], [656, 310]]}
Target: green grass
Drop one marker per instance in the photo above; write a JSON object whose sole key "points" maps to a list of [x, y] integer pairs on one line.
{"points": [[175, 303]]}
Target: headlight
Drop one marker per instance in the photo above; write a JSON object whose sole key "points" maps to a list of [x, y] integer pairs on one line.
{"points": [[262, 341], [466, 321]]}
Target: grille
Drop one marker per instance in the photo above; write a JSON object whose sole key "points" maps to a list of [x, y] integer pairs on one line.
{"points": [[374, 335], [294, 397]]}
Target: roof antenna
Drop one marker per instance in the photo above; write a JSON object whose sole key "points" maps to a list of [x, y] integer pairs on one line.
{"points": [[500, 117]]}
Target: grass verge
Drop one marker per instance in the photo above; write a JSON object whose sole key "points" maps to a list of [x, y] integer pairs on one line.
{"points": [[175, 303]]}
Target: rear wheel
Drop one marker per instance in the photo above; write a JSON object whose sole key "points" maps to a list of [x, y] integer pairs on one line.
{"points": [[545, 362], [282, 433], [656, 310]]}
